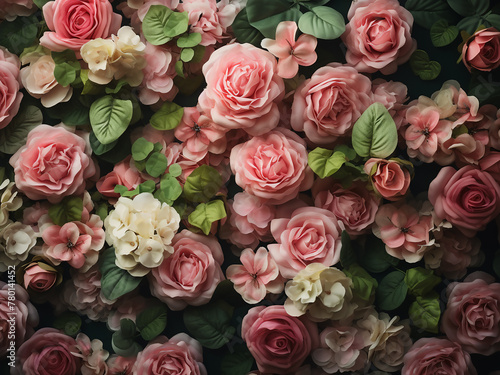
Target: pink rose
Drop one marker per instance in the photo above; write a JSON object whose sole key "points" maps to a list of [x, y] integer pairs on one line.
{"points": [[311, 235], [190, 275], [273, 166], [491, 164], [10, 84], [468, 198], [243, 89], [204, 19], [118, 365], [433, 356], [388, 177], [124, 173], [326, 106], [76, 22], [53, 164], [279, 342], [472, 315], [392, 95], [48, 352], [482, 50], [179, 355], [378, 36], [40, 279]]}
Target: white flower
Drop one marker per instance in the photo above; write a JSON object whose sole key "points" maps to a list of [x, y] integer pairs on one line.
{"points": [[16, 240], [9, 201]]}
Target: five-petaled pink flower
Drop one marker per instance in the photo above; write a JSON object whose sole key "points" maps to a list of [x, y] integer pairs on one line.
{"points": [[291, 53]]}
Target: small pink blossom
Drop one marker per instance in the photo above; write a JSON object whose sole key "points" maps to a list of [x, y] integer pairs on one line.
{"points": [[392, 95], [93, 355], [291, 53], [204, 19], [118, 365]]}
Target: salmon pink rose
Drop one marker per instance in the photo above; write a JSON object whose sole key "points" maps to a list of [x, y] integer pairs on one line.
{"points": [[378, 36], [482, 50], [243, 89], [53, 164], [388, 178], [10, 84], [73, 23]]}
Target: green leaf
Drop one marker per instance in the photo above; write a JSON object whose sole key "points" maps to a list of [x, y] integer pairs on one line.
{"points": [[421, 281], [237, 362], [466, 7], [97, 147], [492, 20], [168, 117], [469, 24], [422, 66], [425, 313], [179, 68], [69, 209], [189, 40], [153, 25], [141, 149], [392, 291], [73, 112], [323, 23], [115, 282], [310, 4], [69, 322], [210, 324], [110, 117], [156, 164], [187, 54], [125, 347], [244, 32], [170, 189], [265, 15], [443, 34], [207, 213], [325, 162], [65, 73], [374, 258], [127, 328], [199, 53], [364, 284], [175, 170], [177, 24], [14, 135], [202, 184], [145, 187], [347, 254], [375, 134], [40, 3], [19, 34], [152, 321], [428, 12], [61, 57], [115, 90]]}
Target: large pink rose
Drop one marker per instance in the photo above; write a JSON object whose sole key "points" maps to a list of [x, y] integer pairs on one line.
{"points": [[468, 198], [53, 164], [326, 106], [190, 275], [48, 352], [482, 50], [311, 235], [272, 167], [179, 355], [10, 84], [243, 89], [472, 315], [75, 22], [378, 36], [433, 356], [279, 342]]}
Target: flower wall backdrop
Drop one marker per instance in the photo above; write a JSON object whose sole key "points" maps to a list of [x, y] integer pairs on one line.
{"points": [[247, 187]]}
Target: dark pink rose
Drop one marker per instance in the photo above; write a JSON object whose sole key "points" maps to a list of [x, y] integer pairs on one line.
{"points": [[279, 342], [243, 89], [491, 164], [472, 315], [273, 166], [48, 352], [53, 164], [40, 279], [388, 177], [433, 356], [73, 23], [468, 198], [378, 36], [482, 50], [10, 84], [179, 355], [190, 275]]}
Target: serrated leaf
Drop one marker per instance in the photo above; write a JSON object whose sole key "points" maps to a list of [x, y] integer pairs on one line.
{"points": [[425, 313], [14, 135], [443, 34], [110, 117], [153, 24], [152, 321], [421, 281], [392, 291], [168, 117], [206, 214], [202, 184], [323, 23], [363, 283], [115, 282]]}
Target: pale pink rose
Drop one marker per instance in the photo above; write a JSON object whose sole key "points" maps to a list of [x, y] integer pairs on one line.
{"points": [[10, 9], [53, 164], [482, 50], [204, 19], [291, 53], [48, 352], [472, 315], [404, 231], [10, 84], [25, 319], [354, 206], [159, 73], [273, 166], [243, 89], [39, 279], [311, 235], [72, 23], [279, 342], [468, 198], [378, 36], [327, 105], [127, 308], [118, 365], [124, 173], [258, 275], [388, 177], [433, 356], [392, 95], [179, 355], [190, 275], [92, 354]]}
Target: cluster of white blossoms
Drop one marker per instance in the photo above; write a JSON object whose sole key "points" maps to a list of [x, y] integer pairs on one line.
{"points": [[141, 231]]}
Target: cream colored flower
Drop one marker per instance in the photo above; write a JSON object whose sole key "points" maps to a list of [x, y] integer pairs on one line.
{"points": [[141, 230], [98, 54], [381, 328], [16, 240], [390, 357], [9, 201], [129, 56]]}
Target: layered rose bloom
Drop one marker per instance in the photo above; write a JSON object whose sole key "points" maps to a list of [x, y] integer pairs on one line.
{"points": [[389, 178], [482, 50], [10, 84]]}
